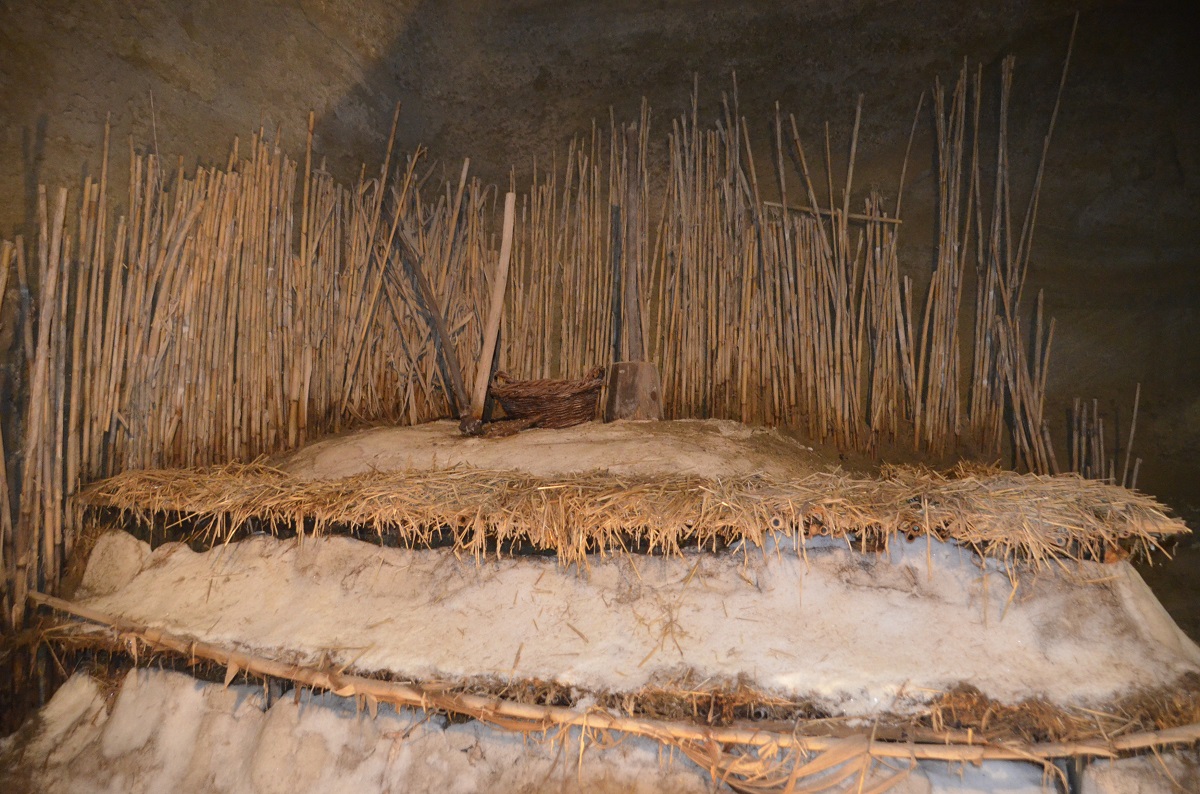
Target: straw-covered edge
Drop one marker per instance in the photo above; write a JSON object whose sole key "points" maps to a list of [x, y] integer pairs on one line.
{"points": [[1015, 518]]}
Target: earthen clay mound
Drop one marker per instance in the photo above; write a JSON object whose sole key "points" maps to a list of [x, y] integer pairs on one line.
{"points": [[715, 449]]}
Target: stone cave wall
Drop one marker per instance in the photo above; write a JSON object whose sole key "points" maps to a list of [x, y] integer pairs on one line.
{"points": [[507, 82]]}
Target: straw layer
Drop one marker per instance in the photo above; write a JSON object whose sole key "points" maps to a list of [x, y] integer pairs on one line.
{"points": [[1008, 516]]}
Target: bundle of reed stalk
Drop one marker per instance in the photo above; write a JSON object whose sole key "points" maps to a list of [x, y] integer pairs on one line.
{"points": [[207, 324], [194, 334], [762, 313], [559, 319], [1009, 373], [1087, 444], [770, 313], [936, 422], [37, 547]]}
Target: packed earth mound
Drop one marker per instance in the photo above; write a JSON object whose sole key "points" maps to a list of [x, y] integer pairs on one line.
{"points": [[711, 449]]}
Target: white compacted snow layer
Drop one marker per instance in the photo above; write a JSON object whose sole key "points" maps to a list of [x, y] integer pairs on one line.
{"points": [[166, 732], [861, 633], [858, 633]]}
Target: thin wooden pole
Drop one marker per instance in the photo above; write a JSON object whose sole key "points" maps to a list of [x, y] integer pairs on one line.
{"points": [[1137, 396], [495, 310]]}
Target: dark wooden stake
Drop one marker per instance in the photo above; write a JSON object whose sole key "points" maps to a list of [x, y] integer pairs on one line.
{"points": [[615, 238], [452, 376]]}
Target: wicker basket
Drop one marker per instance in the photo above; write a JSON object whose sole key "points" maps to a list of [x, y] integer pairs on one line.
{"points": [[550, 403]]}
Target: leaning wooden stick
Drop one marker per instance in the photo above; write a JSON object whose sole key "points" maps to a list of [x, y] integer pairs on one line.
{"points": [[474, 423], [457, 391], [1137, 396]]}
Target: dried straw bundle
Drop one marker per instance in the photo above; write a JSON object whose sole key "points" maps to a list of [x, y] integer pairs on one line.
{"points": [[1007, 516]]}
